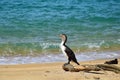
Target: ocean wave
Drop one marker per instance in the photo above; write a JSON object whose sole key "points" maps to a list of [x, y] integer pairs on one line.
{"points": [[57, 58], [37, 48]]}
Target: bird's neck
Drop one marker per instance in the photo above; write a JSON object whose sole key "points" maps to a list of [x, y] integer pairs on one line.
{"points": [[63, 42]]}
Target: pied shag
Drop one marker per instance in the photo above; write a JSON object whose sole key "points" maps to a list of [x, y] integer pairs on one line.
{"points": [[66, 50]]}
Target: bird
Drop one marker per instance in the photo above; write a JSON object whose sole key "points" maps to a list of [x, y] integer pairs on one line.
{"points": [[115, 61], [66, 50]]}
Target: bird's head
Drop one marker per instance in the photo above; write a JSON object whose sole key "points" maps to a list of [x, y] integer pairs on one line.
{"points": [[63, 37]]}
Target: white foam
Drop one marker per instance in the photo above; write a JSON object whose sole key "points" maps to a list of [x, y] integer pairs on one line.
{"points": [[57, 57]]}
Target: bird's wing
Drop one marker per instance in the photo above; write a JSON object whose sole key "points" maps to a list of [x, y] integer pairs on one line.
{"points": [[69, 52]]}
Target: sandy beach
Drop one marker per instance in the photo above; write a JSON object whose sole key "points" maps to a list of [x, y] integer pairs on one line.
{"points": [[53, 71]]}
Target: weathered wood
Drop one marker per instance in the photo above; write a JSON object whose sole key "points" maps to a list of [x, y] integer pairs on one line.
{"points": [[115, 61], [68, 67], [107, 67], [97, 67]]}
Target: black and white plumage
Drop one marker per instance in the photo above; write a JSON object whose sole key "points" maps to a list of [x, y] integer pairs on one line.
{"points": [[66, 50]]}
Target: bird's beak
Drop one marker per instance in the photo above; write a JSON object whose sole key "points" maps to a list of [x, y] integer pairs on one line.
{"points": [[60, 35]]}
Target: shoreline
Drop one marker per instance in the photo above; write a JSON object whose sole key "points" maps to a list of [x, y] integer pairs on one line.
{"points": [[53, 71], [46, 58]]}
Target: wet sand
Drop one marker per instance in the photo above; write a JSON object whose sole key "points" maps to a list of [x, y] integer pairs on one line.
{"points": [[53, 71]]}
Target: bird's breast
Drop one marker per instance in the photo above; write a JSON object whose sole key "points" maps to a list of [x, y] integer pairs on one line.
{"points": [[63, 49]]}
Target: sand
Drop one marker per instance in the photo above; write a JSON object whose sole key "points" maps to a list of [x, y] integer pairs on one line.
{"points": [[53, 71]]}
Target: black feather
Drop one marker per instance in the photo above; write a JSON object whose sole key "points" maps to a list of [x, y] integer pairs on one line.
{"points": [[71, 55]]}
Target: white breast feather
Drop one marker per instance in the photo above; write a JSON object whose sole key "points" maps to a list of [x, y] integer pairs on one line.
{"points": [[63, 49]]}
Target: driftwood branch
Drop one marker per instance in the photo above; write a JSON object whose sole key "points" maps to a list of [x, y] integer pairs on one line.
{"points": [[97, 67]]}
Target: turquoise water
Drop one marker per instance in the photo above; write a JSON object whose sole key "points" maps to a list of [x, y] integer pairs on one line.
{"points": [[32, 27]]}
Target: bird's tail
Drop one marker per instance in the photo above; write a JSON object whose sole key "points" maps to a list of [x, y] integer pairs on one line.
{"points": [[77, 63], [75, 60]]}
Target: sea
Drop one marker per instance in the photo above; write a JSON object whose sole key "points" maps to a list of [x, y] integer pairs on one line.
{"points": [[30, 29]]}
